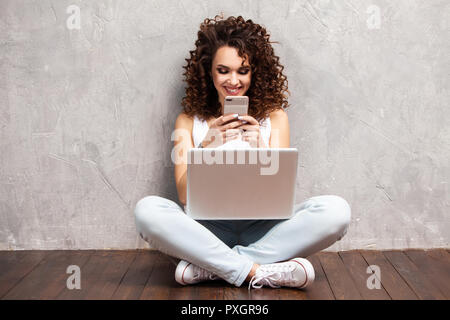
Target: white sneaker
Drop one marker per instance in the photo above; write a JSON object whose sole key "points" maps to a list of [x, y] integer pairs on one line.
{"points": [[188, 273], [297, 273]]}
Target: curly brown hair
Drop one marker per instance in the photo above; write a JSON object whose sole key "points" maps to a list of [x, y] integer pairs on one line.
{"points": [[268, 84]]}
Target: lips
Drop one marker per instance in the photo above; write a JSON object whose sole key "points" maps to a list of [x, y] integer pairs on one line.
{"points": [[232, 91]]}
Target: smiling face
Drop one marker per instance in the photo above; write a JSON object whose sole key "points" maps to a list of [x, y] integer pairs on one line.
{"points": [[229, 76]]}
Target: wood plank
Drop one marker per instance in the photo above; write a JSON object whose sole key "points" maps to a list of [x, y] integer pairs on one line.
{"points": [[182, 292], [101, 275], [287, 293], [176, 290], [15, 265], [161, 280], [340, 281], [421, 286], [320, 289], [147, 274], [211, 290], [263, 293], [134, 281], [357, 267], [111, 277], [48, 278], [440, 254], [436, 270], [236, 293], [391, 280], [162, 285]]}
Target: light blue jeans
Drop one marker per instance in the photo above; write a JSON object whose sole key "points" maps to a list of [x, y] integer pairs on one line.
{"points": [[229, 248]]}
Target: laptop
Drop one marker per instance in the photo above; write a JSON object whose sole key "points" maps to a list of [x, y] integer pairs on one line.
{"points": [[249, 183]]}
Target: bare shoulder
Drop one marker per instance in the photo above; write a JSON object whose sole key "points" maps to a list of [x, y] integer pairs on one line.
{"points": [[278, 115], [280, 125], [184, 121]]}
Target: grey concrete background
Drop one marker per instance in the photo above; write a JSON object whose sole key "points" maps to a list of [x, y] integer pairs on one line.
{"points": [[86, 114]]}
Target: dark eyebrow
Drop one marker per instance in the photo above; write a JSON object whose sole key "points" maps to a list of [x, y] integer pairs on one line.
{"points": [[223, 66]]}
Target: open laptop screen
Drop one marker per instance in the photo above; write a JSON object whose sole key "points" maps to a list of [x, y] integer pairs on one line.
{"points": [[253, 183]]}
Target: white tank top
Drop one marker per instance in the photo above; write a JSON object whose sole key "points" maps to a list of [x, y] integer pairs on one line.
{"points": [[200, 128]]}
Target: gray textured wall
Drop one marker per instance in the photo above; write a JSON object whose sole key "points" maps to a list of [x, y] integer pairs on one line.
{"points": [[86, 114]]}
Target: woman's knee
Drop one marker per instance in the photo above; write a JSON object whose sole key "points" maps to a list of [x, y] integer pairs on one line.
{"points": [[339, 214], [146, 212], [144, 205]]}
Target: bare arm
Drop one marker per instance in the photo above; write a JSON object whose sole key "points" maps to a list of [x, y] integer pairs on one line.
{"points": [[182, 137], [279, 134]]}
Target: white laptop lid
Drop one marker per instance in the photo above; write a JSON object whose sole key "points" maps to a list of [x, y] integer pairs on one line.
{"points": [[251, 183]]}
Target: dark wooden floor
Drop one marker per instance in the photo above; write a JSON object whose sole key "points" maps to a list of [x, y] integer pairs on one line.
{"points": [[144, 274]]}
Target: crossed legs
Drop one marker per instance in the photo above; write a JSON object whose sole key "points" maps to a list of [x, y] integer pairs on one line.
{"points": [[317, 223]]}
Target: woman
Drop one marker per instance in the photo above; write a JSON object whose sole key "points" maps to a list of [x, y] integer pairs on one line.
{"points": [[235, 57]]}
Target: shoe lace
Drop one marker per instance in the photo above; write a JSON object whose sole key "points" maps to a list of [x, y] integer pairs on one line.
{"points": [[273, 275]]}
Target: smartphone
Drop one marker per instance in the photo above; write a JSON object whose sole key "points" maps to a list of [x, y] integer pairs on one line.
{"points": [[236, 104]]}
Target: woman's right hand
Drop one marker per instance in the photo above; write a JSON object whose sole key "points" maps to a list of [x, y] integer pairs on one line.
{"points": [[222, 130]]}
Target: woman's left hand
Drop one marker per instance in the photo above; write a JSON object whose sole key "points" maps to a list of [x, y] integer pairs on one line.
{"points": [[251, 132]]}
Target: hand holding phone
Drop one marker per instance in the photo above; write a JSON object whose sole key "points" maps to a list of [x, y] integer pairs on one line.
{"points": [[226, 127], [222, 130], [235, 104]]}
